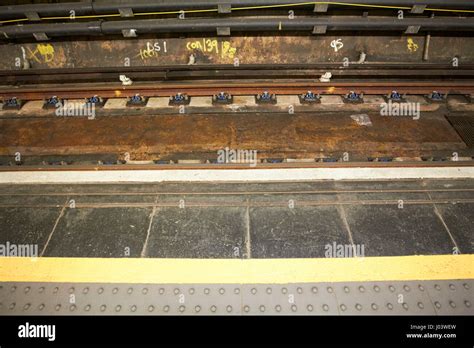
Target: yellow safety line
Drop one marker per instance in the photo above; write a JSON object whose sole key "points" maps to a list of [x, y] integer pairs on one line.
{"points": [[247, 8], [235, 271]]}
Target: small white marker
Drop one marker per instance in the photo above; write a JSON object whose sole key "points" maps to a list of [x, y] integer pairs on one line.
{"points": [[126, 81]]}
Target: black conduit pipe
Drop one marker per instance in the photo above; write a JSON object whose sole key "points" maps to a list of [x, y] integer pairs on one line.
{"points": [[148, 26], [112, 6]]}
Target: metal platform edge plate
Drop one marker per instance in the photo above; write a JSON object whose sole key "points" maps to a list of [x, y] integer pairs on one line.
{"points": [[433, 297]]}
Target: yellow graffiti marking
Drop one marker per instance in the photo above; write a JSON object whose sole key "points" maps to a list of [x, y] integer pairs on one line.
{"points": [[412, 47], [152, 50], [224, 48], [146, 53], [44, 53]]}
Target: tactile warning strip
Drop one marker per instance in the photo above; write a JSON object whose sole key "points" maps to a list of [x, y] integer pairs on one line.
{"points": [[454, 297]]}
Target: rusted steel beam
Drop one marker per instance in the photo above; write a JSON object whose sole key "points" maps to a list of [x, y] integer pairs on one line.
{"points": [[201, 136]]}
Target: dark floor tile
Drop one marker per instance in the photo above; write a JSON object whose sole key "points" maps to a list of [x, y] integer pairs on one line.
{"points": [[460, 220], [27, 225], [302, 232], [192, 232], [100, 232], [386, 230]]}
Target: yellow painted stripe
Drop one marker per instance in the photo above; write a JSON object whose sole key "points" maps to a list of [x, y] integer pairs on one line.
{"points": [[228, 271]]}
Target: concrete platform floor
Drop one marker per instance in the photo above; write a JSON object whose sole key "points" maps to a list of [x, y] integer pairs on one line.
{"points": [[279, 220]]}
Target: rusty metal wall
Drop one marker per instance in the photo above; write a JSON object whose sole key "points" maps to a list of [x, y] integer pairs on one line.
{"points": [[152, 51]]}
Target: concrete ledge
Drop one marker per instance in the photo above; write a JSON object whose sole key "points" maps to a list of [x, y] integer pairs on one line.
{"points": [[233, 175]]}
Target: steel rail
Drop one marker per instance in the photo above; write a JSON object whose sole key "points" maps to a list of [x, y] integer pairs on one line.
{"points": [[202, 72], [209, 88], [401, 66], [241, 75]]}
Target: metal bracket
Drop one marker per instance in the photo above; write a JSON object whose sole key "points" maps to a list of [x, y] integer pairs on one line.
{"points": [[412, 29], [51, 103], [265, 98], [309, 98], [224, 8], [137, 100], [320, 29], [126, 12], [12, 104], [354, 98], [321, 8], [96, 100], [41, 36], [395, 97], [179, 99], [436, 97], [32, 16], [129, 32], [222, 99], [223, 31], [418, 9]]}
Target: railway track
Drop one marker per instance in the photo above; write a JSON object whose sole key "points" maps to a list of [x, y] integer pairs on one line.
{"points": [[159, 81], [209, 88], [200, 80]]}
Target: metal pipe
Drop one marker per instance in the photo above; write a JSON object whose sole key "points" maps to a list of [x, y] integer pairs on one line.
{"points": [[285, 24], [259, 24], [59, 9], [160, 5], [113, 6], [51, 29]]}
